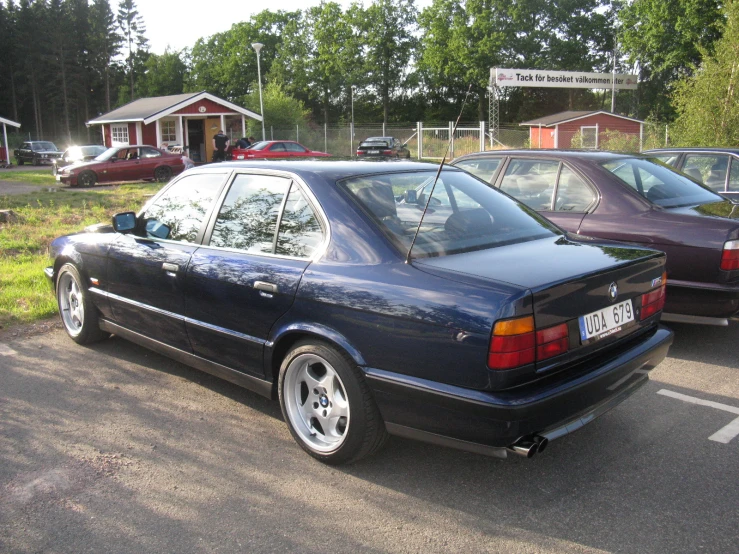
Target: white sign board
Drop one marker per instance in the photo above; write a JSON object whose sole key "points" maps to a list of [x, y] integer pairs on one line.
{"points": [[559, 79]]}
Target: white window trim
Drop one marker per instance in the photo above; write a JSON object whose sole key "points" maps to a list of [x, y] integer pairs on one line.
{"points": [[582, 132], [176, 139], [123, 130]]}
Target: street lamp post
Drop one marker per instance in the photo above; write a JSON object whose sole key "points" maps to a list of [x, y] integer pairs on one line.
{"points": [[258, 46]]}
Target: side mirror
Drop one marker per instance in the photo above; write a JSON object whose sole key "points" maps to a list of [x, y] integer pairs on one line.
{"points": [[124, 222]]}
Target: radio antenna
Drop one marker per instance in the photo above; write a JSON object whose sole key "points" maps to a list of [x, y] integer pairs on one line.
{"points": [[438, 173]]}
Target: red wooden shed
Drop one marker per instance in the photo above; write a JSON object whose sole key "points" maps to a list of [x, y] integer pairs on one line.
{"points": [[188, 121], [557, 131]]}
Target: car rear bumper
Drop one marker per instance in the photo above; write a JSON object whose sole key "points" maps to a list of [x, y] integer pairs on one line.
{"points": [[465, 418], [706, 300]]}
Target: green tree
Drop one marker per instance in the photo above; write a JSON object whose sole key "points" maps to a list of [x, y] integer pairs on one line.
{"points": [[388, 30], [280, 109], [134, 31], [707, 103], [163, 75], [666, 39], [105, 44]]}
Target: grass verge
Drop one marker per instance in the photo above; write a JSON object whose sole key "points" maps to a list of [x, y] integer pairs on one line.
{"points": [[40, 177], [24, 291]]}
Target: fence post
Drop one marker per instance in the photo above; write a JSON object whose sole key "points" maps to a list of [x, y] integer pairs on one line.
{"points": [[351, 139], [271, 133], [297, 133], [666, 136], [641, 137], [419, 130], [451, 140], [383, 129], [482, 136], [325, 138]]}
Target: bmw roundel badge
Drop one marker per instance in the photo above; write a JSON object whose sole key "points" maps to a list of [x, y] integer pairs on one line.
{"points": [[613, 292]]}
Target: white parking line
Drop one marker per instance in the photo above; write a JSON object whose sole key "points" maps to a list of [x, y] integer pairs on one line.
{"points": [[723, 435], [6, 350]]}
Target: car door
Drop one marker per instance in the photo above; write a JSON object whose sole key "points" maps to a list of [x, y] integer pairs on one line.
{"points": [[276, 150], [295, 150], [147, 269], [149, 159], [246, 275]]}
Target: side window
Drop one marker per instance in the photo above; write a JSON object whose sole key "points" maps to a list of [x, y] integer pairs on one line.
{"points": [[179, 213], [247, 219], [708, 169], [573, 195], [589, 137], [277, 147], [734, 175], [667, 159], [531, 182], [300, 233], [484, 169], [294, 147], [150, 153]]}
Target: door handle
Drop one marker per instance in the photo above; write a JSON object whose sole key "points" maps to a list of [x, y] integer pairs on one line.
{"points": [[171, 268], [266, 287]]}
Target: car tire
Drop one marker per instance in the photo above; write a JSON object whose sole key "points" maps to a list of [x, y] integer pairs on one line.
{"points": [[163, 174], [86, 179], [78, 314], [327, 404]]}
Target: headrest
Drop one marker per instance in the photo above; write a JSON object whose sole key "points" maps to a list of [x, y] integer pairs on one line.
{"points": [[379, 200], [469, 223]]}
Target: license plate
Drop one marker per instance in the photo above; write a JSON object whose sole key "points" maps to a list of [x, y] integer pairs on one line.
{"points": [[58, 177], [374, 151], [607, 321]]}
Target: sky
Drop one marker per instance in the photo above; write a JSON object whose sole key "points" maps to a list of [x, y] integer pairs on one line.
{"points": [[180, 23]]}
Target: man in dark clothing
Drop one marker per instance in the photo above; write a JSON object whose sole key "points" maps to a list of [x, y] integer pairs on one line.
{"points": [[243, 142], [220, 144]]}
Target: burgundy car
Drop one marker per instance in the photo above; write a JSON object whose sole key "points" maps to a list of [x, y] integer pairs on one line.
{"points": [[125, 163], [272, 149], [634, 199]]}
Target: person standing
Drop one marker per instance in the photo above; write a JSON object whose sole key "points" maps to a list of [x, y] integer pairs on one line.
{"points": [[220, 144]]}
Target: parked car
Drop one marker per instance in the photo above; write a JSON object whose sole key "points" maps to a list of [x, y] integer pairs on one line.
{"points": [[382, 147], [125, 163], [75, 154], [271, 149], [717, 168], [37, 152], [633, 199], [295, 280]]}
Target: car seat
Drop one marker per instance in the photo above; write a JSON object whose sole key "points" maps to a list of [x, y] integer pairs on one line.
{"points": [[380, 201], [694, 172], [469, 224]]}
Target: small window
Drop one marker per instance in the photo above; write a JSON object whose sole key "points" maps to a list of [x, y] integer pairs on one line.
{"points": [[589, 137], [734, 175], [169, 130], [119, 134], [573, 195], [531, 182], [708, 169], [484, 169], [278, 147], [294, 147], [247, 219], [150, 153], [667, 159], [300, 233], [180, 211]]}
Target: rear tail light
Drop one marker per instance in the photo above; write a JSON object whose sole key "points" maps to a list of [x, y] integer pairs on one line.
{"points": [[360, 152], [730, 256], [517, 342], [387, 152], [653, 301]]}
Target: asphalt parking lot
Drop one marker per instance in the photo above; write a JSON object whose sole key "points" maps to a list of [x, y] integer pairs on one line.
{"points": [[112, 448]]}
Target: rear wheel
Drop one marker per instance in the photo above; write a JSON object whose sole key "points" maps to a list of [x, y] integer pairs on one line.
{"points": [[86, 179], [20, 161], [79, 315], [328, 406], [163, 174]]}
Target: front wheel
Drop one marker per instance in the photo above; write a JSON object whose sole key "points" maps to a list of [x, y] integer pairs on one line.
{"points": [[79, 315], [20, 161], [163, 174], [328, 406], [86, 179]]}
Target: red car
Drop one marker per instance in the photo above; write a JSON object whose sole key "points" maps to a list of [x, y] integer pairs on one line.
{"points": [[271, 149], [125, 163]]}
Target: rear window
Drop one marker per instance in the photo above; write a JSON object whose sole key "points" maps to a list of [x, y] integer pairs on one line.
{"points": [[659, 184], [463, 214]]}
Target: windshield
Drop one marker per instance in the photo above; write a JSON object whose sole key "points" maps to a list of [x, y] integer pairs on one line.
{"points": [[463, 215], [105, 156], [43, 146], [659, 184]]}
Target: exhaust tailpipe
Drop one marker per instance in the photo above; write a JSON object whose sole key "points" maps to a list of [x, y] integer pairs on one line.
{"points": [[528, 446]]}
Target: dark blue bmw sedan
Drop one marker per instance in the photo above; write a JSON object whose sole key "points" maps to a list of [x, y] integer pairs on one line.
{"points": [[456, 316]]}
